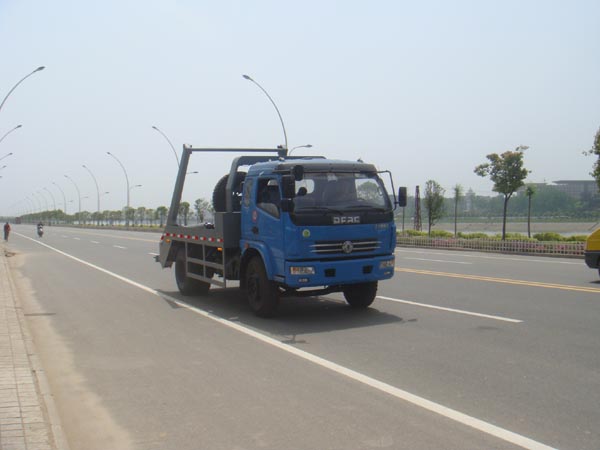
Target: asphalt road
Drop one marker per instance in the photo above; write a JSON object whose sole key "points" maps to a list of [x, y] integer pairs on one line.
{"points": [[461, 350]]}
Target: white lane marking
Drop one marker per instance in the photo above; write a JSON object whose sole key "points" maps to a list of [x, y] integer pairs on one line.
{"points": [[524, 259], [438, 260], [118, 246], [436, 408], [153, 254], [458, 311], [77, 239], [94, 242]]}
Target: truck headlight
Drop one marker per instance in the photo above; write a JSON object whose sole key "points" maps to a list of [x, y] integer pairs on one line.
{"points": [[389, 264], [302, 270]]}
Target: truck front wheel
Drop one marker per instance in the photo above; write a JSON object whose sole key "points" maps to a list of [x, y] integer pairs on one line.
{"points": [[263, 294], [185, 284], [360, 295]]}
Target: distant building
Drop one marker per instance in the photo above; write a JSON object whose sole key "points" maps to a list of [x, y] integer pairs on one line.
{"points": [[577, 189]]}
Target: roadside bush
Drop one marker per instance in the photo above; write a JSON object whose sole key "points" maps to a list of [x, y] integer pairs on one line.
{"points": [[516, 237], [548, 236], [441, 234], [473, 235], [577, 238], [415, 233]]}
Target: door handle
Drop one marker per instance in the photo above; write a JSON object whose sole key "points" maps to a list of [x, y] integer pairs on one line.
{"points": [[255, 230]]}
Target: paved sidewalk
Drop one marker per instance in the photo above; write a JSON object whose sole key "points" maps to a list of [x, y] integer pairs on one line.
{"points": [[24, 418]]}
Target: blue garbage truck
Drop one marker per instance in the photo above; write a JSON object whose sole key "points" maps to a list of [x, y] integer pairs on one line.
{"points": [[286, 226]]}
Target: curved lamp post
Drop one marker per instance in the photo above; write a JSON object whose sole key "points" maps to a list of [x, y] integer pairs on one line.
{"points": [[170, 143], [5, 156], [53, 203], [78, 197], [10, 131], [45, 202], [63, 194], [127, 181], [18, 83], [247, 77], [97, 192]]}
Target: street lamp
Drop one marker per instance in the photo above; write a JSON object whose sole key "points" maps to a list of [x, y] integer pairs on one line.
{"points": [[170, 143], [299, 146], [5, 156], [10, 131], [45, 202], [18, 83], [276, 108], [53, 203], [78, 197], [38, 202], [127, 181], [97, 192], [63, 194]]}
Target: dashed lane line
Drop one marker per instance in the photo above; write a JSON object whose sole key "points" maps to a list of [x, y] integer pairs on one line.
{"points": [[118, 246], [457, 416], [458, 311]]}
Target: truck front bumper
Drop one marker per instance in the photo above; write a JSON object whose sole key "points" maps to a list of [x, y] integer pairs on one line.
{"points": [[336, 272]]}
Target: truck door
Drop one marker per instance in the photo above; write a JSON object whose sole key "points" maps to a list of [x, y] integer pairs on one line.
{"points": [[269, 228]]}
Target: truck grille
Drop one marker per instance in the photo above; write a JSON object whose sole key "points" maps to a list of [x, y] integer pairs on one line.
{"points": [[347, 247]]}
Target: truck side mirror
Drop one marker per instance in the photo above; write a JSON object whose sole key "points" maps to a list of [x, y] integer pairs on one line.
{"points": [[402, 197], [288, 186]]}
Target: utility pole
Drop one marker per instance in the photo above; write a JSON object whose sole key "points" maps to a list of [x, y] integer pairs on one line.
{"points": [[417, 209]]}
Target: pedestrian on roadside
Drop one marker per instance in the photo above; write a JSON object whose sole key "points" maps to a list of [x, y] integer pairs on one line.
{"points": [[6, 231]]}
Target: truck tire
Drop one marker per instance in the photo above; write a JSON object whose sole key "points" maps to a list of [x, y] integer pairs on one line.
{"points": [[185, 284], [263, 294], [219, 197], [360, 295]]}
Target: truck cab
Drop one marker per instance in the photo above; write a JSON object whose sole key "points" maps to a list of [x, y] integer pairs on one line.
{"points": [[318, 222]]}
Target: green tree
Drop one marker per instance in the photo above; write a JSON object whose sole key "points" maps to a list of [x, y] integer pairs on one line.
{"points": [[150, 216], [507, 173], [201, 206], [434, 202], [141, 214], [529, 192], [458, 193], [161, 212], [129, 215], [595, 150], [184, 210]]}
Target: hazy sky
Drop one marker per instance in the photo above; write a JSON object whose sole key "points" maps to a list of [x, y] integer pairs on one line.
{"points": [[424, 89]]}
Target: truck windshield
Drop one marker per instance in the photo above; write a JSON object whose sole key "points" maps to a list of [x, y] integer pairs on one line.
{"points": [[341, 192]]}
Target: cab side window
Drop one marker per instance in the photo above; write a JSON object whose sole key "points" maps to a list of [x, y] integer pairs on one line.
{"points": [[268, 196], [248, 184]]}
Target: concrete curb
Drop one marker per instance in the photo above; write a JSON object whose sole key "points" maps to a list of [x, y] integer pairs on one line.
{"points": [[28, 416]]}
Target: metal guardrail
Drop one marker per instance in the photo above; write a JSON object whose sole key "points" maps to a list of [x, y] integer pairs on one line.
{"points": [[550, 248]]}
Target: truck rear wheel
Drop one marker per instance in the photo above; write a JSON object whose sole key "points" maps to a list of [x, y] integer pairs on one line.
{"points": [[360, 295], [185, 284], [263, 294], [220, 197]]}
